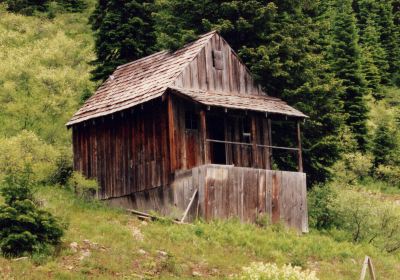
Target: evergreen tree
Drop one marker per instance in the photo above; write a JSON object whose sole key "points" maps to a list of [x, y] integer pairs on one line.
{"points": [[279, 42], [123, 32], [390, 36], [346, 63], [26, 7], [383, 144], [73, 5], [374, 58]]}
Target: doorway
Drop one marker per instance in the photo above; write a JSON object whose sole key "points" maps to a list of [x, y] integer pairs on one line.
{"points": [[216, 132]]}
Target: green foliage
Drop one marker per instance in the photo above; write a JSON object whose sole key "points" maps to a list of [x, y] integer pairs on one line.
{"points": [[26, 149], [73, 5], [63, 170], [345, 57], [365, 220], [123, 32], [23, 227], [44, 71], [82, 186], [26, 7], [319, 200], [384, 143]]}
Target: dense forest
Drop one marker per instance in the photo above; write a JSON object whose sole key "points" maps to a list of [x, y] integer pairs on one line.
{"points": [[338, 61]]}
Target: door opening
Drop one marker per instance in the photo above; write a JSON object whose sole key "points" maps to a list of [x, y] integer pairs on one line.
{"points": [[216, 131]]}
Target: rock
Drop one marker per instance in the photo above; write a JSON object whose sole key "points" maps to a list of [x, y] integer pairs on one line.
{"points": [[142, 252], [84, 254], [144, 223], [196, 274], [70, 267], [20, 259], [74, 247], [137, 234], [162, 253], [87, 242]]}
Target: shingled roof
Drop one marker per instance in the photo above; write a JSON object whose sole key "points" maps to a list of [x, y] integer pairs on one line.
{"points": [[261, 103], [147, 78]]}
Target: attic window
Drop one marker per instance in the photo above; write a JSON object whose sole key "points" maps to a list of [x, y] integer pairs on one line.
{"points": [[218, 61]]}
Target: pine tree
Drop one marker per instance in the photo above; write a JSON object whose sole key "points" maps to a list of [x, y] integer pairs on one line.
{"points": [[383, 144], [26, 7], [73, 5], [123, 32], [390, 36], [345, 57], [374, 58], [279, 42]]}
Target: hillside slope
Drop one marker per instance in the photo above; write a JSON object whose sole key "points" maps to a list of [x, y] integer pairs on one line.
{"points": [[44, 71], [122, 247]]}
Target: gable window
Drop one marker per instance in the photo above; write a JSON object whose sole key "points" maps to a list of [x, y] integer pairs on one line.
{"points": [[218, 61], [191, 120]]}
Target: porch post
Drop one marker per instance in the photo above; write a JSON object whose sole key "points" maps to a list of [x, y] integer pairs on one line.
{"points": [[254, 140], [300, 156], [203, 136], [171, 134]]}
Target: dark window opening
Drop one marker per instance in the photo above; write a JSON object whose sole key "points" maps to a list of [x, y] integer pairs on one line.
{"points": [[246, 130], [217, 58], [216, 131], [191, 120]]}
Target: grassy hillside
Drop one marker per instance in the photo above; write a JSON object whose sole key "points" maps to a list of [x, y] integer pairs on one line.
{"points": [[127, 248], [44, 71]]}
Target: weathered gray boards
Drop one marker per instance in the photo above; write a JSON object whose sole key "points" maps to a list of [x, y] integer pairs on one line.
{"points": [[226, 191], [165, 125]]}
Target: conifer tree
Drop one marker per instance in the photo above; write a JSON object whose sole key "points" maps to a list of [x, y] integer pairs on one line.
{"points": [[383, 144], [26, 7], [345, 57], [123, 32]]}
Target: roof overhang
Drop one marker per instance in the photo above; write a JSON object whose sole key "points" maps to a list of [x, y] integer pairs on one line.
{"points": [[259, 103]]}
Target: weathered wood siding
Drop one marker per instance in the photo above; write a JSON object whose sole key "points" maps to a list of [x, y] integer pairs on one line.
{"points": [[126, 152], [226, 192], [248, 193], [217, 68]]}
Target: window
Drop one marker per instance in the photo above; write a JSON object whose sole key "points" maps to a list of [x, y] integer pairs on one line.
{"points": [[217, 58], [191, 120], [246, 130]]}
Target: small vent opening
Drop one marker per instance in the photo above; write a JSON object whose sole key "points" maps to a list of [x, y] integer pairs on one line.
{"points": [[217, 58]]}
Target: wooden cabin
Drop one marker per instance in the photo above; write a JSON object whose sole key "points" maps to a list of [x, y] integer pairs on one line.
{"points": [[188, 133]]}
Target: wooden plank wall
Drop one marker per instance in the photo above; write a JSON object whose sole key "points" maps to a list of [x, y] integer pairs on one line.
{"points": [[202, 73], [126, 152], [247, 193]]}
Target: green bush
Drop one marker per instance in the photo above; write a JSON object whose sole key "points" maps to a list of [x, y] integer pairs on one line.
{"points": [[389, 174], [82, 186], [63, 170], [366, 219], [23, 227], [27, 149], [320, 199]]}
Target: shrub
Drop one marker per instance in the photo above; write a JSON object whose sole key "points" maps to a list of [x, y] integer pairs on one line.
{"points": [[352, 167], [82, 186], [63, 170], [320, 198], [27, 149], [389, 174], [366, 219], [270, 271], [23, 227]]}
